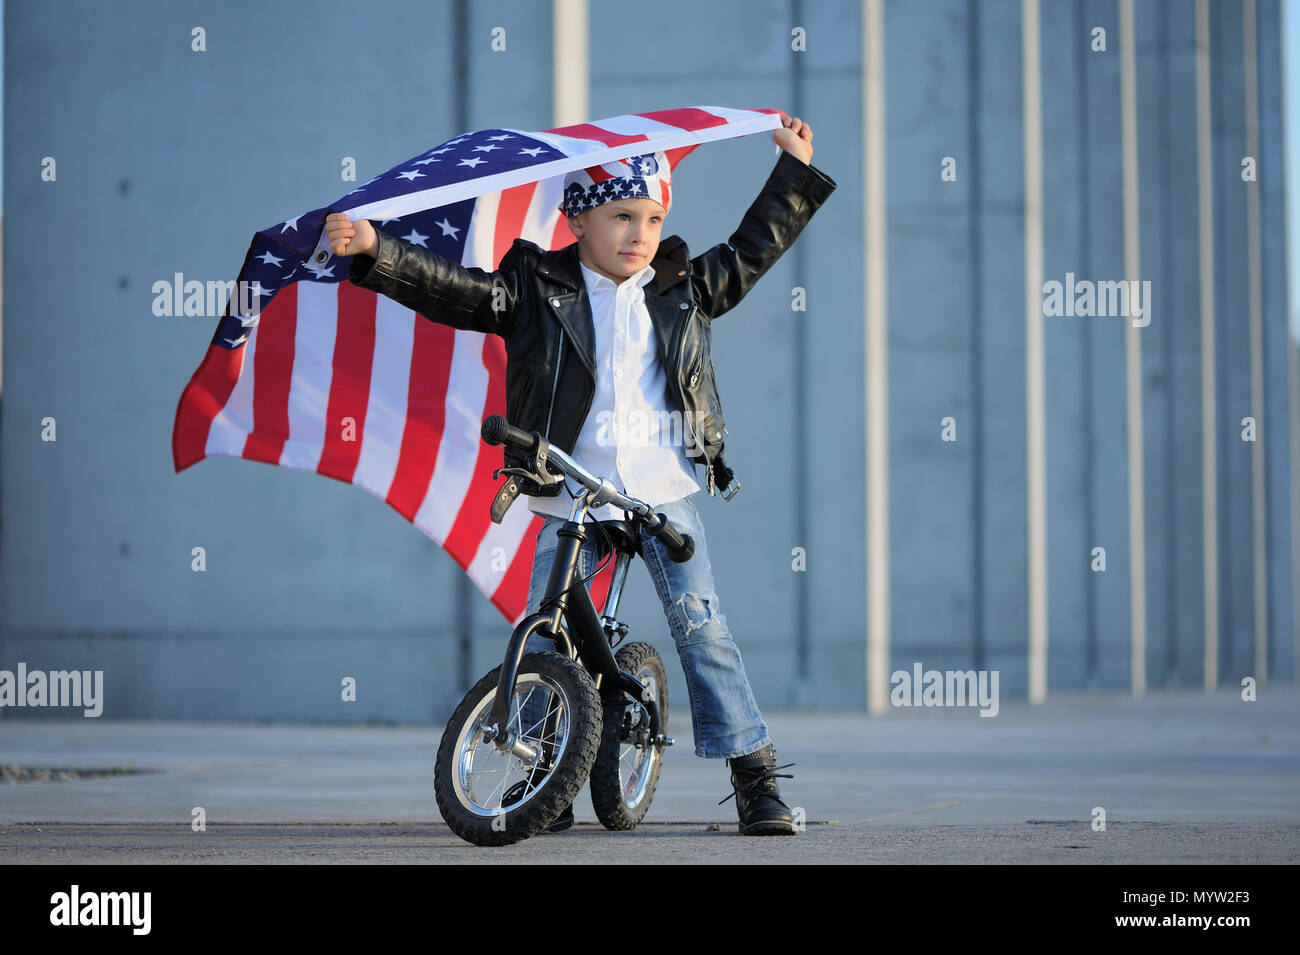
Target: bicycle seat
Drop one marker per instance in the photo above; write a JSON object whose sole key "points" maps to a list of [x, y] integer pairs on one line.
{"points": [[625, 534]]}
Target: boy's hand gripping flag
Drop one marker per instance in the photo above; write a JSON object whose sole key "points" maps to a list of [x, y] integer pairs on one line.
{"points": [[308, 371]]}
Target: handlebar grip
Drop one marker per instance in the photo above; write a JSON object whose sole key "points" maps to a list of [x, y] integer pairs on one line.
{"points": [[497, 430], [681, 547]]}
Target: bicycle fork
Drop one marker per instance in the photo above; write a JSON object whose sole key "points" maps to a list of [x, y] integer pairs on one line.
{"points": [[591, 647]]}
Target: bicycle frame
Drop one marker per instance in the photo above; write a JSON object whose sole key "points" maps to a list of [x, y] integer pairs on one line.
{"points": [[585, 639]]}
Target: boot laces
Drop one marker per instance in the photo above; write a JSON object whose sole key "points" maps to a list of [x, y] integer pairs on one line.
{"points": [[755, 782]]}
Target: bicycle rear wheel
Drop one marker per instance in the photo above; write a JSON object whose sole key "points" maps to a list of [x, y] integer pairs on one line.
{"points": [[492, 798], [627, 767]]}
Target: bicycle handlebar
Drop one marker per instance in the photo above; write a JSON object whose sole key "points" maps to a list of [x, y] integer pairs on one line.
{"points": [[497, 430]]}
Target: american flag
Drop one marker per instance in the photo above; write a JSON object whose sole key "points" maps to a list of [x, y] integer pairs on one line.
{"points": [[308, 371]]}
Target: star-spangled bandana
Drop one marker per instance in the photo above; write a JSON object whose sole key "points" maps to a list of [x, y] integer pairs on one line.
{"points": [[647, 176]]}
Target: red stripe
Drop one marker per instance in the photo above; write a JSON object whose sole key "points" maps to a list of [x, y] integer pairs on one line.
{"points": [[687, 118], [511, 595], [272, 376], [677, 155], [426, 413], [588, 131], [512, 210], [474, 517], [354, 355], [600, 584], [561, 236], [201, 401]]}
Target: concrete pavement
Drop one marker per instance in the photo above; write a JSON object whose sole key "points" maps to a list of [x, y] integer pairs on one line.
{"points": [[1181, 776]]}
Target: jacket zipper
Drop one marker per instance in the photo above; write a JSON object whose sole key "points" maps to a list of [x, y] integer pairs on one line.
{"points": [[559, 358], [681, 354]]}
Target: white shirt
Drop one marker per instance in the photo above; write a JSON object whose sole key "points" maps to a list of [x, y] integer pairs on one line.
{"points": [[629, 435]]}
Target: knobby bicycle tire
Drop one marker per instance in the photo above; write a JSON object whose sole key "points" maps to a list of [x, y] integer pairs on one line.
{"points": [[500, 826], [608, 789]]}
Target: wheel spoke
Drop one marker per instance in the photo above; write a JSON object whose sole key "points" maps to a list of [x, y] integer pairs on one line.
{"points": [[483, 775]]}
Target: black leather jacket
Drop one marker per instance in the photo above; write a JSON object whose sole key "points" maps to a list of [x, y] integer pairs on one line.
{"points": [[537, 302]]}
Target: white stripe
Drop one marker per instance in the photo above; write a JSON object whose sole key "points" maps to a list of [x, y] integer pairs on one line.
{"points": [[742, 117], [511, 535], [313, 370], [381, 441], [461, 436], [481, 234], [543, 213], [633, 125], [234, 422], [580, 153]]}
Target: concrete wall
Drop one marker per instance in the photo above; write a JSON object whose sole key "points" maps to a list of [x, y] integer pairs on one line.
{"points": [[169, 159]]}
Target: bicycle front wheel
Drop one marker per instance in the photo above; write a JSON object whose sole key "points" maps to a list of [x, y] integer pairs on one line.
{"points": [[492, 797]]}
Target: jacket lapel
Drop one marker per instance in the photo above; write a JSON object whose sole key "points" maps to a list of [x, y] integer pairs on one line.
{"points": [[568, 302], [671, 266], [670, 263]]}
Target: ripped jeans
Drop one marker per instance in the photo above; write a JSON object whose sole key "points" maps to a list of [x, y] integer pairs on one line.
{"points": [[725, 720]]}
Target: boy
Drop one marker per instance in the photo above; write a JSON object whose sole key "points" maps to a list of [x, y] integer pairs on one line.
{"points": [[617, 326]]}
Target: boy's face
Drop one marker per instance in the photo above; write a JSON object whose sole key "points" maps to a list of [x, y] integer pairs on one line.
{"points": [[619, 238]]}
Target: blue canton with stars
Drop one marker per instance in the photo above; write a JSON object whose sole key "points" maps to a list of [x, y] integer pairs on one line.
{"points": [[281, 255]]}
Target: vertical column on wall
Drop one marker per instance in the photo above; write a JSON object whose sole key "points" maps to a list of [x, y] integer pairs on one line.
{"points": [[1259, 561], [802, 691], [1036, 498], [1209, 434], [1293, 381], [570, 79], [978, 409], [875, 362], [1133, 354], [1275, 347], [1292, 337], [465, 590]]}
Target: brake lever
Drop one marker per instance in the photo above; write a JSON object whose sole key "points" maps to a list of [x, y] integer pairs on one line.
{"points": [[524, 472], [538, 460]]}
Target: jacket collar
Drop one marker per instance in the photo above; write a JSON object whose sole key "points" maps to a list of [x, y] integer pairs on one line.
{"points": [[670, 263]]}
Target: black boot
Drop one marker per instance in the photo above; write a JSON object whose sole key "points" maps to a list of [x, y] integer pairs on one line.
{"points": [[758, 800], [517, 792], [564, 822]]}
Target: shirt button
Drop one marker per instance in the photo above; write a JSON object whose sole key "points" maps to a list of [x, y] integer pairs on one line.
{"points": [[555, 302], [682, 272], [683, 305]]}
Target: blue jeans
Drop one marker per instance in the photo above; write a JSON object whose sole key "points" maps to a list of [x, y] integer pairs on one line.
{"points": [[724, 714]]}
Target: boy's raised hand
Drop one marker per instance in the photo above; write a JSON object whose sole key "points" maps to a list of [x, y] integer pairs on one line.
{"points": [[795, 138], [350, 238]]}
